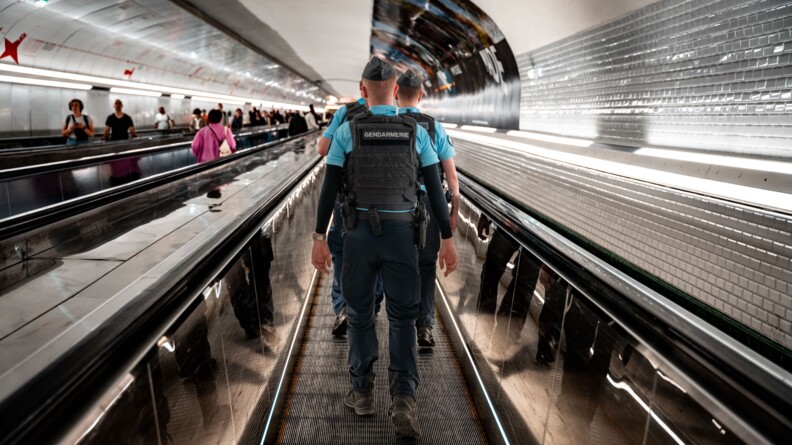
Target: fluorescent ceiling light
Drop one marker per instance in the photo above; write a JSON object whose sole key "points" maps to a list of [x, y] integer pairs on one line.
{"points": [[45, 83], [478, 129], [177, 96], [103, 81], [445, 125], [550, 138], [214, 99], [733, 192], [726, 161], [135, 92]]}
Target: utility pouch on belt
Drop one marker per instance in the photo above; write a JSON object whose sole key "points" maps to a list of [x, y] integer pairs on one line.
{"points": [[421, 224], [349, 214], [374, 220]]}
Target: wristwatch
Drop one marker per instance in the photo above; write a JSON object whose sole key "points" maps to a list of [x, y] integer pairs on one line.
{"points": [[318, 236]]}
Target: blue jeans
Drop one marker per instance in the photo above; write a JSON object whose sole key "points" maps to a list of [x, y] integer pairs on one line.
{"points": [[427, 265], [335, 242], [394, 256]]}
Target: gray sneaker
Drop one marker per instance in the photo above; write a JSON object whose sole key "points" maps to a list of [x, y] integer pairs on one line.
{"points": [[362, 403], [404, 416]]}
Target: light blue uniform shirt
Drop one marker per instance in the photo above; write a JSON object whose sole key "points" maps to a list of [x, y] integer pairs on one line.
{"points": [[342, 143], [441, 144], [337, 120]]}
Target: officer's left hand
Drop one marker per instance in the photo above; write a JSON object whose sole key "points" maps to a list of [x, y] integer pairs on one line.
{"points": [[320, 256], [447, 256]]}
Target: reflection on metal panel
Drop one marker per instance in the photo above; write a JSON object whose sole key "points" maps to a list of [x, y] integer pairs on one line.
{"points": [[692, 74], [728, 263], [469, 72], [557, 368], [213, 374]]}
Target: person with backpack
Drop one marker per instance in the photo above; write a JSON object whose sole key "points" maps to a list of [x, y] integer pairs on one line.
{"points": [[78, 127], [210, 141]]}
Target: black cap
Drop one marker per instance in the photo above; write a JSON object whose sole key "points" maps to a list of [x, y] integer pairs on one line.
{"points": [[378, 69], [409, 79]]}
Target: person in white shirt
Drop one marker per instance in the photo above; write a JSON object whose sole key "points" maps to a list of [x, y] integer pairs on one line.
{"points": [[312, 119], [163, 121]]}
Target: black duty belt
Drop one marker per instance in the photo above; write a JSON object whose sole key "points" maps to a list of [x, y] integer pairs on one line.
{"points": [[389, 216]]}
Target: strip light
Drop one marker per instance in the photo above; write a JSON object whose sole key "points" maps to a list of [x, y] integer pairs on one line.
{"points": [[104, 81], [447, 125], [45, 83], [479, 129], [213, 99], [135, 92], [624, 387], [726, 161], [733, 192], [177, 96], [550, 138]]}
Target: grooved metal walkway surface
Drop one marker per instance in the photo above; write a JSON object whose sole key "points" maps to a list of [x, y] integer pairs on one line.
{"points": [[315, 413]]}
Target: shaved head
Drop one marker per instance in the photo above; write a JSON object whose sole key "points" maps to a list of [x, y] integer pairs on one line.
{"points": [[379, 92]]}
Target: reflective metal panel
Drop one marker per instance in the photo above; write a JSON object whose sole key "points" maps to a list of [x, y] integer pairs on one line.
{"points": [[213, 375], [469, 72], [691, 74], [557, 369]]}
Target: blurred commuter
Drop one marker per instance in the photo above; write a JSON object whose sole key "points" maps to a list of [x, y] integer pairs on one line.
{"points": [[78, 127], [162, 120], [277, 117], [252, 116], [237, 122], [408, 96], [204, 115], [297, 125], [207, 142], [212, 141], [197, 122], [118, 126], [312, 119], [224, 120]]}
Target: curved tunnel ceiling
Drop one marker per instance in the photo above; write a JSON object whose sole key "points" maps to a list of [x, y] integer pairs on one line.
{"points": [[465, 53], [157, 42]]}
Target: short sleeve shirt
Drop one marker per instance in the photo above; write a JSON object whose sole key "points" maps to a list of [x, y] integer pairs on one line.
{"points": [[442, 143], [119, 126], [342, 141], [337, 120]]}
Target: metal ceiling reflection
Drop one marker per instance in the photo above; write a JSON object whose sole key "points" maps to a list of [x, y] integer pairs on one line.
{"points": [[470, 73], [149, 41]]}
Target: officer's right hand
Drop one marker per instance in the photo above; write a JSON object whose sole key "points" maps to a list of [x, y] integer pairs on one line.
{"points": [[320, 256], [447, 256]]}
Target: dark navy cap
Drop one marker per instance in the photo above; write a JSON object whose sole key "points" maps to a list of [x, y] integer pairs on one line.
{"points": [[409, 79], [378, 69]]}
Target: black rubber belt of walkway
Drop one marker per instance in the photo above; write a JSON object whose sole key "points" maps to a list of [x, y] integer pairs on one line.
{"points": [[315, 413]]}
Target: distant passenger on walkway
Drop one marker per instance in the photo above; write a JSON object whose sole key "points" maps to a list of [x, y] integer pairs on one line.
{"points": [[197, 121], [297, 124], [312, 119], [224, 116], [118, 126], [163, 121], [237, 122], [78, 127], [207, 142]]}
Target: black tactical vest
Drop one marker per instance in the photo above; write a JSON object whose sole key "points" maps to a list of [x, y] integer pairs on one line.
{"points": [[424, 120], [428, 123], [382, 169], [353, 110]]}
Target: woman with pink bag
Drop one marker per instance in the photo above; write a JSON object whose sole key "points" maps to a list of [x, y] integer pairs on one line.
{"points": [[212, 142], [209, 140]]}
